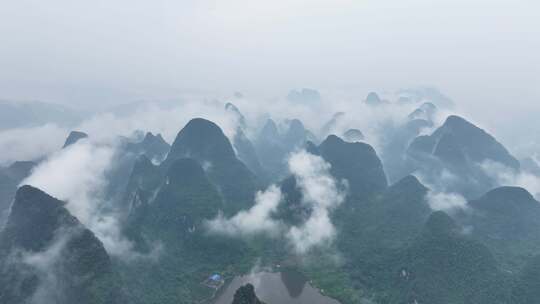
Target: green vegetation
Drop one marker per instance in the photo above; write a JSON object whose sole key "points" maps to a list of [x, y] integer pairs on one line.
{"points": [[81, 272], [205, 142], [391, 248]]}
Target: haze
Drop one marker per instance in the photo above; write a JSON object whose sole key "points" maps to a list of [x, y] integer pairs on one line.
{"points": [[483, 54]]}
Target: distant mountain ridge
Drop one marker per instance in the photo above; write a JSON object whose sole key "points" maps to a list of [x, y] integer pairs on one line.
{"points": [[22, 114], [390, 245], [460, 149]]}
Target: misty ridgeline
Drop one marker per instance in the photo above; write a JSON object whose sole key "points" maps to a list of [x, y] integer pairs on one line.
{"points": [[393, 199]]}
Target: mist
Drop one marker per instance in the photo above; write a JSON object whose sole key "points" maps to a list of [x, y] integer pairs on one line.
{"points": [[434, 104], [256, 220], [481, 53], [321, 194], [78, 175]]}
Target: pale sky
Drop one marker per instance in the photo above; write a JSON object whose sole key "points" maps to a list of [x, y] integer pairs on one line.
{"points": [[484, 54]]}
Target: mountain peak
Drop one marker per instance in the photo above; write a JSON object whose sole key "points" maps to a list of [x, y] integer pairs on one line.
{"points": [[296, 133], [459, 125], [241, 120], [150, 138], [153, 146], [357, 162], [455, 120], [155, 143], [459, 142], [329, 126], [270, 130], [426, 111], [203, 140], [26, 193], [333, 139], [507, 200], [73, 137], [296, 128], [408, 182], [231, 107], [33, 208], [475, 142], [514, 192], [373, 98]]}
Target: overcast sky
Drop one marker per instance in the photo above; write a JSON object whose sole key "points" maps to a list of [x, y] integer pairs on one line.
{"points": [[479, 52]]}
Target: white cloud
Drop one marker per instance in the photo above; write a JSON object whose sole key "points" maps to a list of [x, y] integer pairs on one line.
{"points": [[77, 175], [45, 265], [108, 229], [505, 176], [166, 118], [372, 121], [256, 220], [438, 197], [321, 193], [448, 202], [317, 230], [30, 143]]}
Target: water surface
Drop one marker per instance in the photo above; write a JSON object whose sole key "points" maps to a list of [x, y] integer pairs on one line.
{"points": [[286, 287]]}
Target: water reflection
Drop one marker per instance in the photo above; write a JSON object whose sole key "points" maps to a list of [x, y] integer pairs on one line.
{"points": [[286, 287], [294, 282]]}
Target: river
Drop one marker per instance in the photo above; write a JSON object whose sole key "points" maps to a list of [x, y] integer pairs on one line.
{"points": [[286, 287]]}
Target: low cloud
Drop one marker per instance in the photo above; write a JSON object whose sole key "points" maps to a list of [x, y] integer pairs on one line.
{"points": [[77, 175], [505, 176], [256, 220], [321, 193], [108, 229], [448, 202], [439, 198], [317, 230], [166, 118], [30, 143], [46, 265]]}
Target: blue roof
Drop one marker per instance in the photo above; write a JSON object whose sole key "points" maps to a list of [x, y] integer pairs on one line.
{"points": [[215, 277]]}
